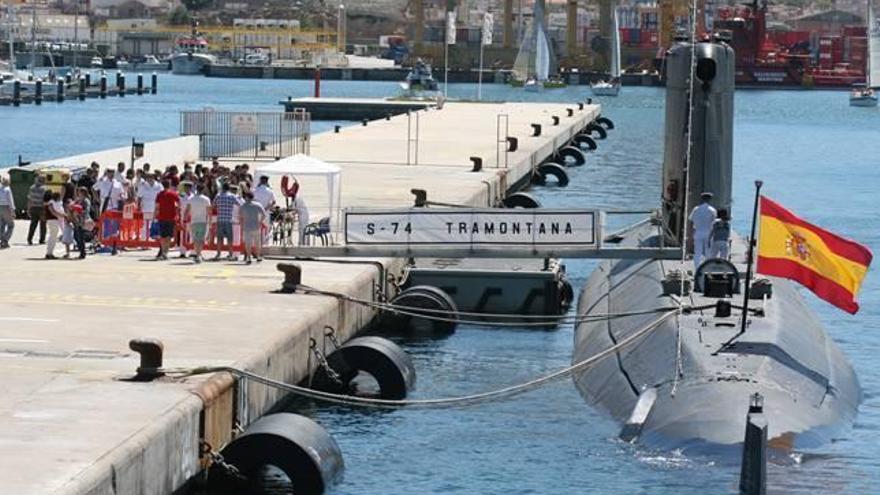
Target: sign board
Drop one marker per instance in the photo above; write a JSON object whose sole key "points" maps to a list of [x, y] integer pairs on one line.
{"points": [[244, 124], [473, 227]]}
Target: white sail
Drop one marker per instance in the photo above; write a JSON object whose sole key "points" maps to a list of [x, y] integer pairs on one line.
{"points": [[535, 58], [873, 47], [615, 47], [542, 57]]}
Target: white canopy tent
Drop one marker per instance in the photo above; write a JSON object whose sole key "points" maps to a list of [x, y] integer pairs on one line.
{"points": [[304, 166]]}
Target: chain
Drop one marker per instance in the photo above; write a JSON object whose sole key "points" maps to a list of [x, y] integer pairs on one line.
{"points": [[330, 333], [218, 460], [322, 362]]}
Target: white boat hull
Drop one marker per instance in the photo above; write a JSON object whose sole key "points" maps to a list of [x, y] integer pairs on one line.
{"points": [[605, 89], [190, 63], [863, 101], [533, 86]]}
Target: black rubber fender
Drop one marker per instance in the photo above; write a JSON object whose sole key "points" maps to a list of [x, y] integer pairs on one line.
{"points": [[296, 445], [574, 154], [390, 365], [598, 129], [566, 295], [605, 122], [521, 200], [584, 141], [423, 297], [550, 168]]}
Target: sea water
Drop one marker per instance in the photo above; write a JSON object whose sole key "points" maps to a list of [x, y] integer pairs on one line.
{"points": [[815, 154]]}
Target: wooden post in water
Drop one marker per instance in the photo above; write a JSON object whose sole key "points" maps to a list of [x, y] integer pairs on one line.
{"points": [[121, 84], [82, 88], [16, 93], [38, 92], [59, 90], [103, 86], [154, 83], [140, 84]]}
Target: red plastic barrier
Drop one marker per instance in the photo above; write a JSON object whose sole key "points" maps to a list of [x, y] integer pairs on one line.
{"points": [[125, 229]]}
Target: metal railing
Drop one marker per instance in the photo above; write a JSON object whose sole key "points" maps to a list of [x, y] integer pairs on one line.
{"points": [[248, 135]]}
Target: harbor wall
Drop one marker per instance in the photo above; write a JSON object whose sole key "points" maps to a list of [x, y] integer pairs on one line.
{"points": [[398, 74]]}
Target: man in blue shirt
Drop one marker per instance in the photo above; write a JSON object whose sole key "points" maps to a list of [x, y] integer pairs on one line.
{"points": [[226, 204]]}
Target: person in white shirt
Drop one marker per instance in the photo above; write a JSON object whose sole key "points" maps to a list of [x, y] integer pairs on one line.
{"points": [[55, 221], [302, 216], [185, 197], [7, 213], [701, 219], [198, 211], [110, 191], [264, 195], [147, 193]]}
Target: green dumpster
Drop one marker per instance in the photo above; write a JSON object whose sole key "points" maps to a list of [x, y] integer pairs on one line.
{"points": [[20, 180]]}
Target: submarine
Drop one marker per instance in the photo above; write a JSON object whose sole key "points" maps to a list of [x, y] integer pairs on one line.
{"points": [[689, 383]]}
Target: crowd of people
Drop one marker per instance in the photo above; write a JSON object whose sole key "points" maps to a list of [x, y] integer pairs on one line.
{"points": [[173, 203]]}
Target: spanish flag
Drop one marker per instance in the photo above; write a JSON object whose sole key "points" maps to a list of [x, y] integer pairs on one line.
{"points": [[827, 264]]}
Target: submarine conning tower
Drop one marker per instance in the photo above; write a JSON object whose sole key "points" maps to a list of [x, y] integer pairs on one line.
{"points": [[711, 160]]}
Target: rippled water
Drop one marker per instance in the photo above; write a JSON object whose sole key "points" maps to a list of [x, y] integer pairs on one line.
{"points": [[816, 155]]}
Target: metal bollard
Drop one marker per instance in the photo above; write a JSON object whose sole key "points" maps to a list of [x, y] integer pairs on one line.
{"points": [[121, 84], [16, 93], [154, 83], [59, 91], [292, 277], [68, 78], [140, 84], [753, 471], [88, 79], [151, 358], [38, 92], [82, 88], [103, 87]]}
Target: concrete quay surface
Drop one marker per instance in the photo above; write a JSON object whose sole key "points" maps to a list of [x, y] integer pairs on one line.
{"points": [[71, 424]]}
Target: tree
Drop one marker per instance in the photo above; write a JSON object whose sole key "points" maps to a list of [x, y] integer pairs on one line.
{"points": [[197, 4], [179, 17]]}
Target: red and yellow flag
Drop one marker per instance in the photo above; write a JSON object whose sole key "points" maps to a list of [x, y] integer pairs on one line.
{"points": [[827, 264]]}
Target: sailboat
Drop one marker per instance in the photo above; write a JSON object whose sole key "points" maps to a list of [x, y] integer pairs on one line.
{"points": [[612, 86], [535, 61], [865, 95]]}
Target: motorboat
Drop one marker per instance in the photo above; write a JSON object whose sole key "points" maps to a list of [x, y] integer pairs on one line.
{"points": [[865, 95], [96, 63], [419, 81], [191, 55]]}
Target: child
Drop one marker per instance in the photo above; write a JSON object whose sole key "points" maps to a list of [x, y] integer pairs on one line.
{"points": [[67, 232], [720, 236]]}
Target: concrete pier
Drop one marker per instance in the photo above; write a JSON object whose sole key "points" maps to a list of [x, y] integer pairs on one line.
{"points": [[353, 108], [71, 424]]}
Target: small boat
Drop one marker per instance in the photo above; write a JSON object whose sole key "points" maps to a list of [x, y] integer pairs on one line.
{"points": [[96, 63], [864, 95], [535, 61], [150, 63], [191, 56], [121, 63], [419, 81], [611, 87], [532, 85]]}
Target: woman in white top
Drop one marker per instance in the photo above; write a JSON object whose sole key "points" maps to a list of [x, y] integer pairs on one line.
{"points": [[55, 221]]}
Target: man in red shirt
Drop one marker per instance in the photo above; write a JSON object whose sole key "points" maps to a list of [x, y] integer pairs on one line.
{"points": [[167, 206]]}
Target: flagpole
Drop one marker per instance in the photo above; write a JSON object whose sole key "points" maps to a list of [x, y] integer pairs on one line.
{"points": [[446, 69], [750, 259], [480, 75]]}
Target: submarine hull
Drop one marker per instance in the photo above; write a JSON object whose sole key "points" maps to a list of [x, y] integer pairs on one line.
{"points": [[700, 388], [689, 382]]}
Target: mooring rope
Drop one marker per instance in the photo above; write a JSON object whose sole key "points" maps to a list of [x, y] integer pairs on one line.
{"points": [[679, 369], [446, 402], [432, 314]]}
